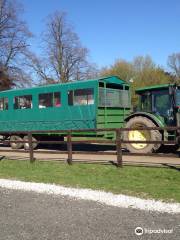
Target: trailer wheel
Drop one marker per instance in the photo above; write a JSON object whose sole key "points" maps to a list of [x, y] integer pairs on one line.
{"points": [[26, 145], [16, 145], [142, 135]]}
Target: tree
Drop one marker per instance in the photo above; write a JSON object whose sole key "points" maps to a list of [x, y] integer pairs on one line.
{"points": [[120, 68], [14, 36], [5, 80], [174, 64], [141, 72], [147, 73], [63, 57]]}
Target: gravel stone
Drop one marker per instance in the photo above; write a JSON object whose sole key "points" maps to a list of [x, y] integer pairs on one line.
{"points": [[39, 216], [116, 200]]}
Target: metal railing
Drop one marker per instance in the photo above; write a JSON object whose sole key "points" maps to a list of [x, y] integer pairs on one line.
{"points": [[118, 140]]}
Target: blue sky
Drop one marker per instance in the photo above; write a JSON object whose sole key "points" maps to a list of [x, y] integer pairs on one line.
{"points": [[113, 29]]}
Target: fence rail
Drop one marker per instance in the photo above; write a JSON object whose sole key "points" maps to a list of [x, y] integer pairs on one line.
{"points": [[119, 141]]}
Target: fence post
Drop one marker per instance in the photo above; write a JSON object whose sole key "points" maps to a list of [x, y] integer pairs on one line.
{"points": [[118, 147], [69, 148], [31, 153]]}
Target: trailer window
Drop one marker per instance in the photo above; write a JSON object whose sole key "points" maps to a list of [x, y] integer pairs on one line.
{"points": [[109, 97], [57, 99], [23, 102], [49, 100], [81, 97], [3, 103]]}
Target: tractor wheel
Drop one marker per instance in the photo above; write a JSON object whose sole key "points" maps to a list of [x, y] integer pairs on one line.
{"points": [[26, 145], [16, 145], [141, 135]]}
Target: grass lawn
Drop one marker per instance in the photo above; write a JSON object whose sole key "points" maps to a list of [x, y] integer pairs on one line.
{"points": [[157, 183]]}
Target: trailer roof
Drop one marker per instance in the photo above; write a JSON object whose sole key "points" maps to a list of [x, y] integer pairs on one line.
{"points": [[109, 79]]}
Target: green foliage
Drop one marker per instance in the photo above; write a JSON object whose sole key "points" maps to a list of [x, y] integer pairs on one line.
{"points": [[158, 183], [141, 72], [174, 63], [120, 68]]}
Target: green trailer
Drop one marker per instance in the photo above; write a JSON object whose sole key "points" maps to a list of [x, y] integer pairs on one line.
{"points": [[90, 104]]}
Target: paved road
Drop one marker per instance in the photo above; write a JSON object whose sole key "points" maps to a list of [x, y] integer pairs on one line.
{"points": [[31, 216]]}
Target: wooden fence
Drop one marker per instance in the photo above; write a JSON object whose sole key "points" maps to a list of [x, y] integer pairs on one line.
{"points": [[70, 142]]}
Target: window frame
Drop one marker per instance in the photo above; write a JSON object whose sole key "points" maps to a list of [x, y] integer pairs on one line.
{"points": [[71, 94], [163, 95], [4, 98], [107, 95], [18, 103], [53, 105]]}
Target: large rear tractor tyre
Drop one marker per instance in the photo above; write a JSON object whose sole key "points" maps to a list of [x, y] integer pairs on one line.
{"points": [[16, 145], [26, 145], [142, 135]]}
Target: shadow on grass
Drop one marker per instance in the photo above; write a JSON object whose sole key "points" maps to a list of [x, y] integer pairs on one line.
{"points": [[171, 167]]}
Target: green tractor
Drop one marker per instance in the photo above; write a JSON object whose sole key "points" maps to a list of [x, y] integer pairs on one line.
{"points": [[159, 106]]}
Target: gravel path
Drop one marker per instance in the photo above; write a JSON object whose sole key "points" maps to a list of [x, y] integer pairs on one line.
{"points": [[117, 200], [34, 216]]}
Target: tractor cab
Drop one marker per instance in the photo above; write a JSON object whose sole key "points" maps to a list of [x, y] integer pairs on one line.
{"points": [[177, 98], [161, 101], [159, 106]]}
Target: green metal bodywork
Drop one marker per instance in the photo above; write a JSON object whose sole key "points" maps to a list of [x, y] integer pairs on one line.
{"points": [[65, 117]]}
